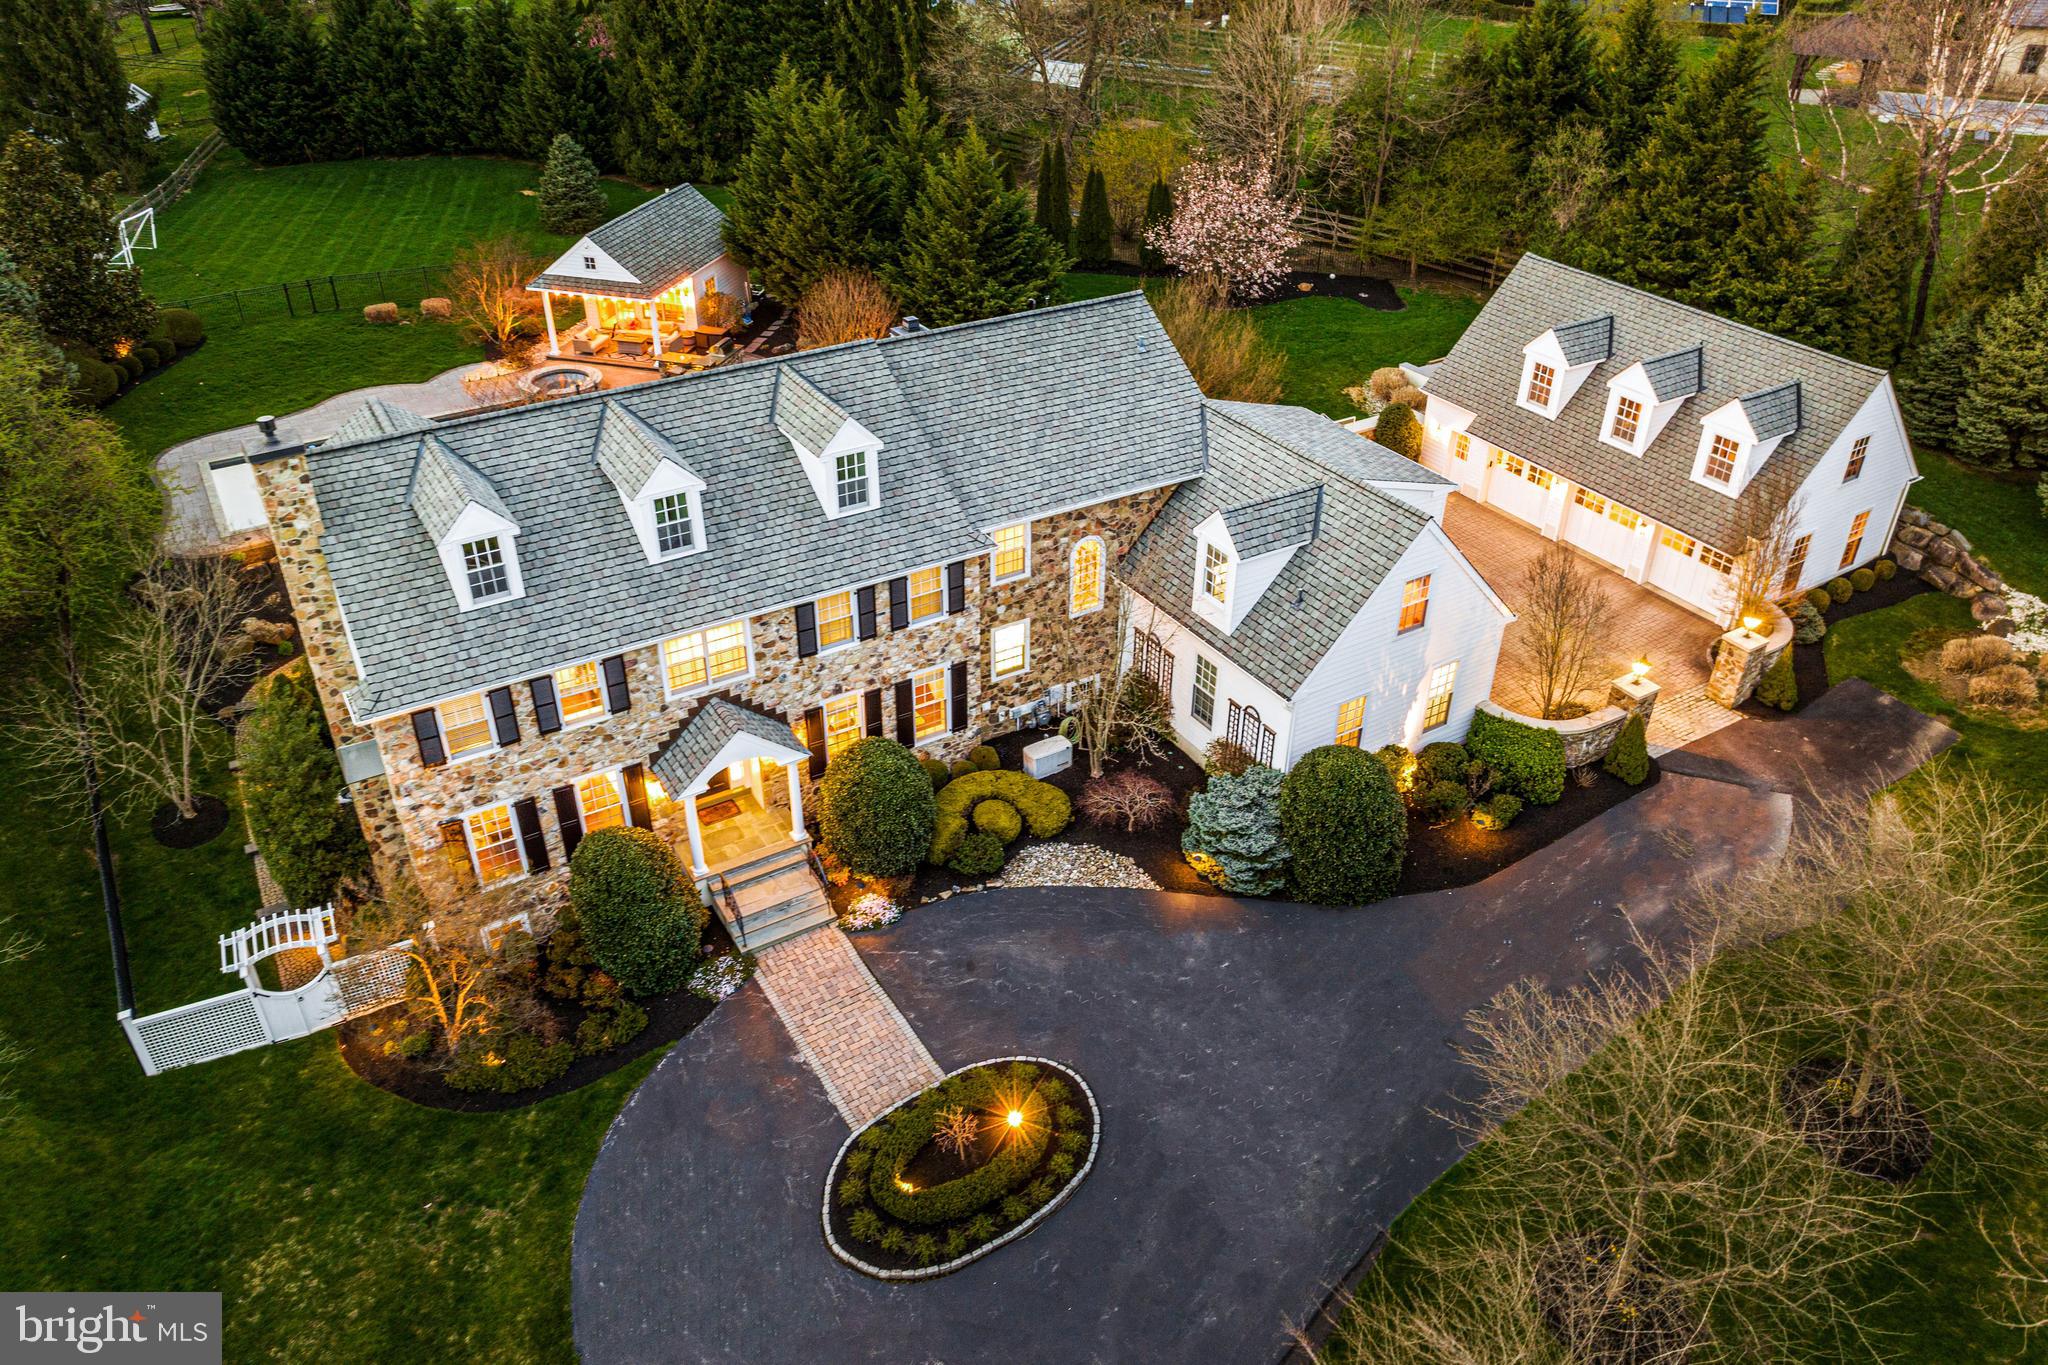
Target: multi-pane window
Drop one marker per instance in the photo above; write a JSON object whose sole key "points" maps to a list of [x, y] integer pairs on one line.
{"points": [[1678, 542], [599, 800], [1522, 469], [1215, 574], [1436, 707], [928, 702], [672, 527], [1628, 417], [705, 656], [494, 843], [1591, 501], [1855, 545], [1012, 558], [850, 475], [835, 619], [842, 723], [1202, 705], [1721, 459], [483, 561], [1857, 453], [1414, 603], [1716, 560], [1009, 649], [1622, 516], [927, 594], [1541, 378], [465, 725], [1795, 566], [1084, 578], [580, 691], [1461, 445], [1351, 721], [2031, 59]]}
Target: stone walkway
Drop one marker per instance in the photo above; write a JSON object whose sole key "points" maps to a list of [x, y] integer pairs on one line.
{"points": [[845, 1025]]}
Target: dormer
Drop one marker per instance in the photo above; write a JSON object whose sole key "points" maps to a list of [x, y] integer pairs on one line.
{"points": [[1739, 436], [841, 457], [663, 497], [1643, 398], [588, 261], [1240, 551], [472, 531], [1556, 363]]}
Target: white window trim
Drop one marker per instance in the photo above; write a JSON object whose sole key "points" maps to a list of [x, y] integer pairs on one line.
{"points": [[910, 596], [1195, 686], [1364, 700], [860, 719], [518, 846], [693, 500], [852, 620], [1429, 694], [1217, 613], [617, 777], [472, 526], [945, 705], [1025, 626], [603, 710], [996, 580], [1645, 417], [1101, 575], [746, 625], [866, 480], [483, 695]]}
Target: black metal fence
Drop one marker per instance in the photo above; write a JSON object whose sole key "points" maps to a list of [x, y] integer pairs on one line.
{"points": [[317, 294]]}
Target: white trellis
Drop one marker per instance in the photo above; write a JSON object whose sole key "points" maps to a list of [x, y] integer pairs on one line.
{"points": [[254, 1016]]}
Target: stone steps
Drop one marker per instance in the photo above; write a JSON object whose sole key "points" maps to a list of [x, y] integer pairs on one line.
{"points": [[771, 899], [783, 921]]}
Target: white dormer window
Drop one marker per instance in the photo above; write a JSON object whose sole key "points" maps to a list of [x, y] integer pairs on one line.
{"points": [[483, 561], [1628, 419], [850, 479], [674, 527], [1722, 457], [1542, 382], [668, 513], [1216, 574]]}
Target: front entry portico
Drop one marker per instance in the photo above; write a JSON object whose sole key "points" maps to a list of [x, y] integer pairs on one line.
{"points": [[717, 770]]}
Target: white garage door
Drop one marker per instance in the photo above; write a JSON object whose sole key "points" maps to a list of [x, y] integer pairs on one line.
{"points": [[1697, 575], [1601, 527], [1519, 488]]}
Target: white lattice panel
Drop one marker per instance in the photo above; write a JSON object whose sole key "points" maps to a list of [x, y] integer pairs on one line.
{"points": [[371, 981], [200, 1032]]}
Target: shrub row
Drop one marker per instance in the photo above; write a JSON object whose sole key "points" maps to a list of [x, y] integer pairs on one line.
{"points": [[907, 1134], [1043, 808], [100, 380], [1527, 761]]}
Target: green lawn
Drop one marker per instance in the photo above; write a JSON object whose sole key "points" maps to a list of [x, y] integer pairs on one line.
{"points": [[323, 1210], [184, 113], [1998, 512]]}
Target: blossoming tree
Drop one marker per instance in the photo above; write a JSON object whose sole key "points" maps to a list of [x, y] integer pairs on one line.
{"points": [[1231, 225]]}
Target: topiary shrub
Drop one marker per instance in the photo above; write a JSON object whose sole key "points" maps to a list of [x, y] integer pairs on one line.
{"points": [[1233, 838], [130, 365], [1886, 570], [98, 382], [936, 770], [1628, 758], [1045, 809], [977, 855], [998, 817], [183, 325], [165, 347], [1863, 580], [1438, 802], [1820, 598], [1225, 758], [1497, 812], [638, 906], [1441, 762], [984, 758], [961, 767], [1779, 687], [1398, 430], [1399, 763], [1527, 761], [875, 808], [1840, 589], [1807, 624], [1344, 826], [290, 775]]}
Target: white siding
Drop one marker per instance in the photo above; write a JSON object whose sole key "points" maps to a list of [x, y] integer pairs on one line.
{"points": [[1232, 684], [1391, 670], [1827, 506], [731, 277]]}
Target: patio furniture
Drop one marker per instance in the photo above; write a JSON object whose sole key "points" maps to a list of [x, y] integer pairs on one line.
{"points": [[580, 345]]}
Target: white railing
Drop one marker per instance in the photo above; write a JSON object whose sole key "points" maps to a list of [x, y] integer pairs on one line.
{"points": [[276, 934]]}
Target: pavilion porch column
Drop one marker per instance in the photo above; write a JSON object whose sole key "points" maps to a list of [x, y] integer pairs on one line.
{"points": [[654, 326], [697, 864], [547, 306], [796, 802]]}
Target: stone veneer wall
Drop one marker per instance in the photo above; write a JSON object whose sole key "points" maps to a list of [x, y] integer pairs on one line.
{"points": [[1943, 556], [402, 811], [1742, 659], [1587, 738]]}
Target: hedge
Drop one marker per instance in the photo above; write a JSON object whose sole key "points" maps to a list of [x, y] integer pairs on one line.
{"points": [[290, 777], [1527, 761], [978, 854], [639, 908], [875, 808], [1345, 826], [909, 1131], [1044, 807]]}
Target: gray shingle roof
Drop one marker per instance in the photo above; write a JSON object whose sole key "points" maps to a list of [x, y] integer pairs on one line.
{"points": [[1483, 374], [699, 739], [983, 423], [658, 242], [443, 484], [376, 417], [2030, 14], [1259, 528], [1300, 615], [1588, 341], [629, 451], [803, 413], [1329, 444], [1773, 412], [1676, 374]]}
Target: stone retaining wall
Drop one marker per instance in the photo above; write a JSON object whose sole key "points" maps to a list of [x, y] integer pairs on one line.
{"points": [[1587, 738], [1944, 558]]}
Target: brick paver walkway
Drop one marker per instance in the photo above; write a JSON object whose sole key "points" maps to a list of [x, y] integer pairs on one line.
{"points": [[845, 1024]]}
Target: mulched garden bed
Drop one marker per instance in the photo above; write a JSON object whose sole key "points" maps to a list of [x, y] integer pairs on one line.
{"points": [[1810, 661], [1370, 291], [1890, 1140], [1644, 1322], [168, 829], [1459, 853]]}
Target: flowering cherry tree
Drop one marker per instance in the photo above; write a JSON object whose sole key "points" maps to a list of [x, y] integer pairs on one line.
{"points": [[1230, 225]]}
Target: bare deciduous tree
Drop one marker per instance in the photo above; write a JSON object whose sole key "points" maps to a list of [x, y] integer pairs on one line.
{"points": [[1129, 799], [1112, 717], [1562, 635], [1014, 62], [1272, 71], [1764, 524], [487, 287], [958, 1129], [845, 305], [2021, 1300], [1393, 97], [1221, 346]]}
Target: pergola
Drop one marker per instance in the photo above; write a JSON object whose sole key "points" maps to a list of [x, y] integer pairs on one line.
{"points": [[1839, 37]]}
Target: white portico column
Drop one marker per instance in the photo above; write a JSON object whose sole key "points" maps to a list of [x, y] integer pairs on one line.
{"points": [[696, 834], [547, 306], [796, 802], [654, 326]]}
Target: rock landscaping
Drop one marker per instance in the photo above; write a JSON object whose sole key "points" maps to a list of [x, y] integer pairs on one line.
{"points": [[1944, 558], [1063, 864]]}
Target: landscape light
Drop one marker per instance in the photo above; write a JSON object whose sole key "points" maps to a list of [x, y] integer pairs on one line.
{"points": [[1640, 668], [1016, 1118]]}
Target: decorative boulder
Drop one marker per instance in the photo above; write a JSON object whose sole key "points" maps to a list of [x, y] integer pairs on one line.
{"points": [[1987, 607], [380, 313], [436, 308]]}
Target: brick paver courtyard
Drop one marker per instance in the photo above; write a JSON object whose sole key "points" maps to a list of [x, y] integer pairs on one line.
{"points": [[845, 1024]]}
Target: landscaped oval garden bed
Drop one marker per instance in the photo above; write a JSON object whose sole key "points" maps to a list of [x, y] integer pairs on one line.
{"points": [[967, 1166]]}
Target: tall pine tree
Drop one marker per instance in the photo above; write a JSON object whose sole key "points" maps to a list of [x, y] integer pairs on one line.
{"points": [[571, 200], [1054, 211], [1158, 208], [562, 86], [914, 141], [1932, 385], [1543, 74], [2007, 245], [649, 80], [970, 248], [1638, 71], [1095, 230], [809, 197], [488, 76], [439, 40], [59, 76], [2002, 419], [370, 61], [266, 78], [1765, 274], [1875, 268], [877, 47]]}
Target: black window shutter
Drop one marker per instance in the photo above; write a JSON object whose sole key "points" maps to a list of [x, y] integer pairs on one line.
{"points": [[899, 603], [864, 601], [504, 715], [547, 707], [956, 586], [814, 739], [527, 811], [636, 797], [426, 728], [569, 818], [906, 713], [617, 696], [956, 687], [874, 703], [806, 630]]}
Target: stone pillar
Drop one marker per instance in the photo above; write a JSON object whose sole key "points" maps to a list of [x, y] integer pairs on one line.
{"points": [[1742, 656], [1637, 696]]}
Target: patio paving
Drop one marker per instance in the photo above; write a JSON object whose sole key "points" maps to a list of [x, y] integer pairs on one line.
{"points": [[1645, 624]]}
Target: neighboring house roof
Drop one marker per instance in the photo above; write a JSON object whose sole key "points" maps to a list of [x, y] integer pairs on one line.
{"points": [[1483, 375], [443, 484], [1588, 341], [376, 417], [1774, 412], [1676, 375], [1360, 535], [1259, 528], [658, 242], [701, 738], [983, 423], [2030, 14]]}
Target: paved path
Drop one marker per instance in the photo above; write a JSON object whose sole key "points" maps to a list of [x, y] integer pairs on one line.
{"points": [[847, 1028]]}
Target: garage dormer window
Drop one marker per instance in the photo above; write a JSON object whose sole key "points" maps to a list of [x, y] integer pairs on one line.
{"points": [[1628, 419], [1542, 381], [483, 562], [1721, 458], [850, 475]]}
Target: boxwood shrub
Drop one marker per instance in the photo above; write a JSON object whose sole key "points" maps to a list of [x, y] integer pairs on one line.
{"points": [[185, 326], [1527, 761], [936, 770], [1442, 762], [1497, 812], [1885, 568], [639, 908], [1821, 598], [978, 854], [984, 758], [1840, 589], [1045, 809], [1345, 825], [998, 817], [1863, 580], [875, 808]]}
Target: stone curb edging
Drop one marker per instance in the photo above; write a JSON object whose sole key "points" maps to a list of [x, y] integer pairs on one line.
{"points": [[948, 1267]]}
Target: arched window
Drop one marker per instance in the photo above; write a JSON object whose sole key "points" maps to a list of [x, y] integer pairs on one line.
{"points": [[1084, 577]]}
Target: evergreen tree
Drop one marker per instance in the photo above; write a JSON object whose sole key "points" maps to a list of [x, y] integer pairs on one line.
{"points": [[970, 249], [59, 76], [877, 47], [488, 75], [60, 232], [1095, 230], [915, 140], [1158, 208], [1931, 387], [809, 197], [561, 85], [1765, 274], [1041, 204], [649, 80], [1876, 268], [439, 43], [290, 776], [1233, 838], [571, 200], [2007, 245], [370, 62], [1543, 74], [266, 77], [2002, 419], [1637, 74], [1057, 219]]}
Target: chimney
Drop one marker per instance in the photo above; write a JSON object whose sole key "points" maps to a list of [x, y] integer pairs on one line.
{"points": [[267, 424], [906, 327]]}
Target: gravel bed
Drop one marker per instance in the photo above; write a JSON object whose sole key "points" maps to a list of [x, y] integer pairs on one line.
{"points": [[1073, 865]]}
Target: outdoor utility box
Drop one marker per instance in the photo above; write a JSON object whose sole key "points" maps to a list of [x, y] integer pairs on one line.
{"points": [[1048, 756]]}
